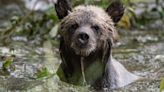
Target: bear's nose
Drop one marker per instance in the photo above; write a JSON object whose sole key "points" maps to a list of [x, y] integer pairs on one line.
{"points": [[83, 38]]}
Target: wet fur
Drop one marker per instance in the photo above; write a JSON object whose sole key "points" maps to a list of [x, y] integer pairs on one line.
{"points": [[101, 71], [88, 15]]}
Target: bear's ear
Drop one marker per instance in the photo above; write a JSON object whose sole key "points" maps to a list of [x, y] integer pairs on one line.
{"points": [[63, 7], [115, 10]]}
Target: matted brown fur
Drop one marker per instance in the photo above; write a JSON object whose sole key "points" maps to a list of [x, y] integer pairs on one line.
{"points": [[87, 32], [89, 16]]}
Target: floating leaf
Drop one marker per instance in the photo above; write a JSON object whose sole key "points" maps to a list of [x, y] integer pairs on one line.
{"points": [[7, 63], [162, 85], [125, 21], [43, 73]]}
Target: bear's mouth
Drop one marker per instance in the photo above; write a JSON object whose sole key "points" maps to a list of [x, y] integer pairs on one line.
{"points": [[83, 50]]}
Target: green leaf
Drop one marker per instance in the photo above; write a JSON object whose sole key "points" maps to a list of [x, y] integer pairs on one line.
{"points": [[162, 85], [42, 73], [7, 63]]}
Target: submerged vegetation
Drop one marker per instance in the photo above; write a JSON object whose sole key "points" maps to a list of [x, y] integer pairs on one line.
{"points": [[29, 54]]}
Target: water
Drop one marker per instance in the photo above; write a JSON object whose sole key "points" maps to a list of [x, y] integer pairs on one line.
{"points": [[143, 55], [141, 52]]}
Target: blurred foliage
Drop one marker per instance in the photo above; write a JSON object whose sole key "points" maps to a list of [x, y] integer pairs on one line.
{"points": [[37, 26], [34, 25], [7, 63], [162, 85], [42, 73], [7, 66]]}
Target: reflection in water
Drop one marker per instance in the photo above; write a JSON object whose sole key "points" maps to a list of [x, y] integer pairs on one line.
{"points": [[36, 5]]}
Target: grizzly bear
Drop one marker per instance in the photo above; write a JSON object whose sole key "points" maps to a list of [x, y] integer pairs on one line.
{"points": [[86, 37]]}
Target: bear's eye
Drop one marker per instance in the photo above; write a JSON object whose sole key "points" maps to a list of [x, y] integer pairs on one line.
{"points": [[73, 28], [96, 28]]}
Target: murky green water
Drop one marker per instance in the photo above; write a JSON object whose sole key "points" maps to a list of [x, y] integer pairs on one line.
{"points": [[141, 52]]}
